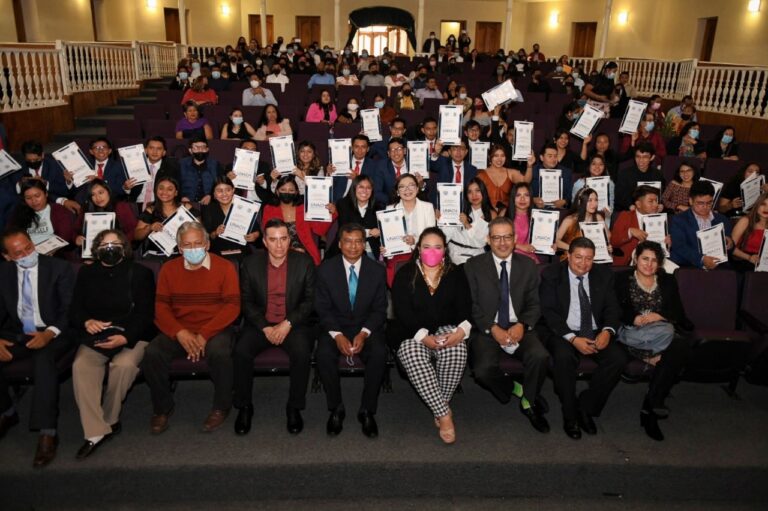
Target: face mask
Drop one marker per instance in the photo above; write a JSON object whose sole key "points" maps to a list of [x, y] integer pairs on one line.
{"points": [[509, 60], [433, 63], [649, 126], [431, 36], [287, 198], [459, 59], [406, 92], [195, 65], [432, 256], [520, 67], [352, 107], [582, 102], [422, 75], [694, 134], [183, 75], [727, 139], [194, 256], [255, 84], [611, 76], [110, 255], [500, 71], [276, 71], [345, 72], [35, 165], [385, 61], [290, 51], [28, 261], [575, 75], [199, 156], [379, 104], [259, 62], [576, 116], [216, 75], [462, 95], [364, 54], [210, 62], [346, 52], [237, 120], [559, 69]]}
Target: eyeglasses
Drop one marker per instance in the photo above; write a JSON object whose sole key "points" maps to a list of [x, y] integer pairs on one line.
{"points": [[407, 187], [100, 148], [703, 204], [498, 239]]}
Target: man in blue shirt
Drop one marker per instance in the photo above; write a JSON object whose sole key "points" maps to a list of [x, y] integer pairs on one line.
{"points": [[324, 75]]}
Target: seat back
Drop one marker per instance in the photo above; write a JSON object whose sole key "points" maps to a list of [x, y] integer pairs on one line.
{"points": [[696, 291]]}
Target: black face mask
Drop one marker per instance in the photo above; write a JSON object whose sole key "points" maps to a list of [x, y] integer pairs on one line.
{"points": [[287, 198], [406, 93], [685, 117], [35, 165], [110, 255], [200, 156]]}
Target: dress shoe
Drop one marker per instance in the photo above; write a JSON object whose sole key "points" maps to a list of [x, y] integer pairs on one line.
{"points": [[89, 447], [294, 422], [243, 420], [335, 423], [370, 428], [571, 429], [538, 421], [46, 450], [214, 420], [447, 429], [159, 422], [7, 422], [586, 423], [650, 422]]}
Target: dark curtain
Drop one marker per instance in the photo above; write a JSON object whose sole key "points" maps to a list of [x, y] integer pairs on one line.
{"points": [[391, 16]]}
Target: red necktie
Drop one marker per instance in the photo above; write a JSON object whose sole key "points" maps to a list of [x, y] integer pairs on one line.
{"points": [[431, 147], [458, 173], [397, 171], [100, 171], [357, 168]]}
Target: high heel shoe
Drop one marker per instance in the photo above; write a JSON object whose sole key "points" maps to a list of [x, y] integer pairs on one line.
{"points": [[650, 422], [447, 430]]}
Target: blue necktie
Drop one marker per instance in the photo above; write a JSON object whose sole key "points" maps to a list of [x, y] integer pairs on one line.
{"points": [[585, 312], [27, 307], [352, 285], [503, 319]]}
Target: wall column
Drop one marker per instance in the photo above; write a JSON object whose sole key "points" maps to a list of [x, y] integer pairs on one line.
{"points": [[183, 22], [31, 23], [606, 27], [337, 25], [263, 22], [419, 27], [508, 27]]}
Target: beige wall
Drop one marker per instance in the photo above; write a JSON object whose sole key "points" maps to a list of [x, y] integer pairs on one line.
{"points": [[64, 19], [7, 23]]}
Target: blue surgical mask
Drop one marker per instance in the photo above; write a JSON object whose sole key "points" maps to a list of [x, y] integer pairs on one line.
{"points": [[649, 126], [345, 72], [216, 75], [582, 102], [727, 139], [194, 256], [28, 261], [611, 76], [237, 120], [576, 116], [694, 134], [559, 69], [183, 75], [575, 75], [379, 104]]}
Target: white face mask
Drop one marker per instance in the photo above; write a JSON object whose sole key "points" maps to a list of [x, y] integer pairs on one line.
{"points": [[462, 95], [352, 107], [255, 84]]}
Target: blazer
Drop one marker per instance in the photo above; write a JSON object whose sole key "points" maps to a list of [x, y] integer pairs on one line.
{"points": [[485, 289], [446, 170], [671, 304], [423, 217], [332, 297], [685, 245], [555, 292], [384, 180], [55, 283], [299, 288], [621, 239]]}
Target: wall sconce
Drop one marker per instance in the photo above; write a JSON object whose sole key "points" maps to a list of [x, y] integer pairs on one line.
{"points": [[224, 9], [623, 18], [554, 19], [753, 6], [151, 4]]}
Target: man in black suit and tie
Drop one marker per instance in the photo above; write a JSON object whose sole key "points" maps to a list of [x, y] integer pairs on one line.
{"points": [[34, 305], [351, 300], [505, 307], [580, 315], [160, 166], [278, 294], [361, 164]]}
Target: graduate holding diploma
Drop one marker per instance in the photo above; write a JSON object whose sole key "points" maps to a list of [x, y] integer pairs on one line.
{"points": [[544, 225], [135, 163], [7, 164], [587, 122], [749, 239], [319, 194], [230, 220], [72, 160], [632, 117], [449, 125], [283, 154], [371, 120], [245, 166]]}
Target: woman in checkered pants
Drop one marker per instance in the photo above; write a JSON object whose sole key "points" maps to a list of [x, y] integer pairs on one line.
{"points": [[432, 305]]}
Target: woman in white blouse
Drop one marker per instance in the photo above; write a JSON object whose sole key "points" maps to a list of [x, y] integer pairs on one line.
{"points": [[471, 238]]}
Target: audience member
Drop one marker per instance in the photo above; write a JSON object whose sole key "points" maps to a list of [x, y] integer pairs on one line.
{"points": [[257, 95], [236, 127], [748, 234], [215, 213], [675, 196], [198, 172], [272, 124], [627, 230], [40, 218], [193, 124], [471, 237], [629, 178], [724, 146], [323, 110]]}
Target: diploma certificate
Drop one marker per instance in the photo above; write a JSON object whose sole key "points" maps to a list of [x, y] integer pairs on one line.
{"points": [[72, 159], [283, 154], [656, 226], [340, 156], [478, 154], [418, 158], [240, 219], [7, 164], [750, 190], [712, 243], [632, 116], [523, 141], [499, 95], [652, 184], [93, 224], [595, 231], [245, 165], [318, 194], [166, 239], [135, 163], [392, 227], [762, 256], [50, 245], [449, 124], [543, 230], [717, 185], [371, 120], [449, 202], [550, 185], [600, 184], [589, 118]]}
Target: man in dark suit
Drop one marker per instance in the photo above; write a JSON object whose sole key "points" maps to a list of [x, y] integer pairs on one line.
{"points": [[644, 170], [456, 169], [278, 293], [581, 315], [389, 170], [37, 164], [505, 307], [351, 301], [34, 304], [108, 168], [361, 164], [397, 129], [160, 166]]}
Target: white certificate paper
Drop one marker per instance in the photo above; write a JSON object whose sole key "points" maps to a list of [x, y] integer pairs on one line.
{"points": [[550, 185], [50, 245], [600, 184], [7, 164], [166, 239], [595, 231], [371, 119], [543, 230], [340, 155], [652, 184], [240, 219], [72, 159], [632, 116], [93, 224], [135, 163], [717, 185], [318, 194], [449, 124], [283, 154], [245, 165], [418, 158], [656, 226], [479, 154], [392, 227], [499, 95], [762, 256], [523, 140], [712, 243], [589, 118], [750, 190], [449, 202]]}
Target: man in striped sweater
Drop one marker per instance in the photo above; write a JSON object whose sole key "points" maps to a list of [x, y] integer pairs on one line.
{"points": [[198, 298]]}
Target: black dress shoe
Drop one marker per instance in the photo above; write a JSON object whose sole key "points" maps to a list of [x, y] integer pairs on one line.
{"points": [[538, 421], [370, 428], [294, 423], [650, 422], [7, 422], [335, 423], [89, 448], [243, 420], [586, 423], [571, 429]]}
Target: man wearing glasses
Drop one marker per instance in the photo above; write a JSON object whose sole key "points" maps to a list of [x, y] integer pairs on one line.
{"points": [[105, 167], [505, 307], [389, 169]]}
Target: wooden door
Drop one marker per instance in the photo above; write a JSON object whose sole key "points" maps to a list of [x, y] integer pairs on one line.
{"points": [[308, 29], [254, 25], [172, 25], [708, 40], [487, 36], [583, 39]]}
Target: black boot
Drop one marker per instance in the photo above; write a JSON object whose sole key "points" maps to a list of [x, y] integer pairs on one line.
{"points": [[649, 420]]}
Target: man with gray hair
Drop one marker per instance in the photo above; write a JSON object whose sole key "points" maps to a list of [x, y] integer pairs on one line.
{"points": [[197, 300]]}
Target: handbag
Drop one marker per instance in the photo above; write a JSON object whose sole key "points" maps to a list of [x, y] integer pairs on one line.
{"points": [[647, 340]]}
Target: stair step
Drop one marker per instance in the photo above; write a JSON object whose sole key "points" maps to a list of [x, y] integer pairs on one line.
{"points": [[135, 100], [116, 109], [89, 132], [101, 120]]}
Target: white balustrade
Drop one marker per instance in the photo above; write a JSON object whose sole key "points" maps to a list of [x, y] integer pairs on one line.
{"points": [[31, 78], [730, 89]]}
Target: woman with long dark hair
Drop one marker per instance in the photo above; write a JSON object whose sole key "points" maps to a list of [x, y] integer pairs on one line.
{"points": [[519, 211], [167, 202], [99, 199], [584, 210], [213, 216], [748, 234], [236, 127], [41, 218], [359, 207], [471, 238]]}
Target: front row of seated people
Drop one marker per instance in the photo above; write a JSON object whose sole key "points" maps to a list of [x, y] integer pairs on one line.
{"points": [[493, 305]]}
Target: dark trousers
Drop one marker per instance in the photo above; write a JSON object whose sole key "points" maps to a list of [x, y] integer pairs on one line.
{"points": [[374, 356], [252, 341], [157, 364], [610, 364], [45, 395], [485, 354], [667, 370]]}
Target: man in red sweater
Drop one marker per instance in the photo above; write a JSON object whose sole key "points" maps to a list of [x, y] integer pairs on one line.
{"points": [[626, 231], [198, 298]]}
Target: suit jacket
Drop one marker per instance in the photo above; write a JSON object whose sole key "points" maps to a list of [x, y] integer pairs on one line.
{"points": [[485, 289], [332, 297], [114, 175], [55, 284], [446, 170], [567, 175], [685, 246], [621, 239], [384, 181], [169, 167], [299, 288], [51, 172], [555, 292]]}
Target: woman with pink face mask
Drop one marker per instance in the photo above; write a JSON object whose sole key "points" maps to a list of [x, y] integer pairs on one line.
{"points": [[432, 309]]}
